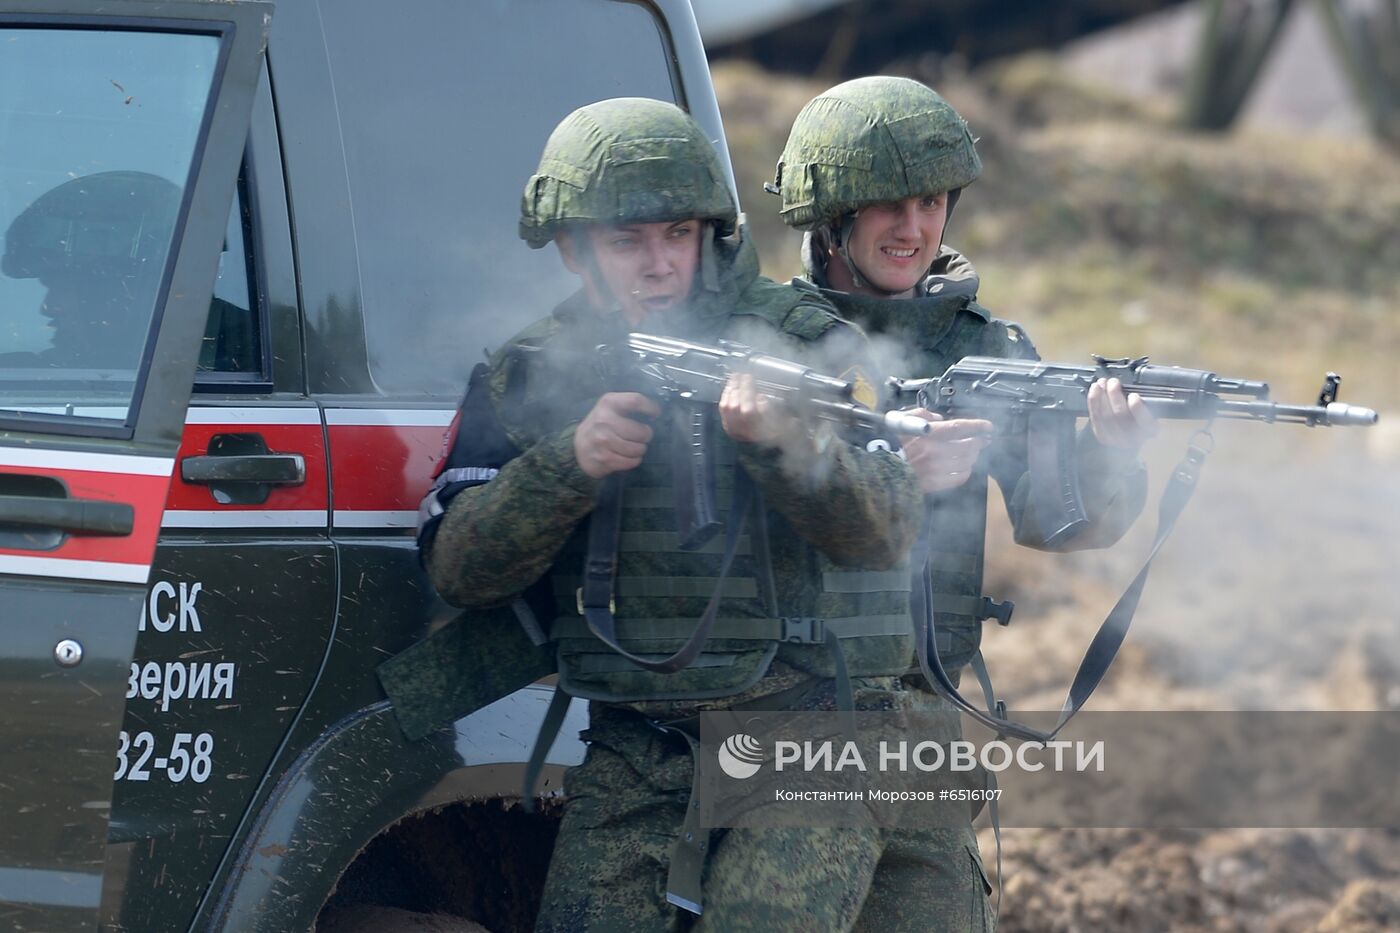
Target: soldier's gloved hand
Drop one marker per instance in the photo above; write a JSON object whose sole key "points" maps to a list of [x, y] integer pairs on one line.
{"points": [[944, 458], [1119, 420], [748, 416], [610, 439]]}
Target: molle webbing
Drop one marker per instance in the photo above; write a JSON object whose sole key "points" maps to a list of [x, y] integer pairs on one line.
{"points": [[794, 630], [661, 591], [945, 328], [665, 587], [955, 569]]}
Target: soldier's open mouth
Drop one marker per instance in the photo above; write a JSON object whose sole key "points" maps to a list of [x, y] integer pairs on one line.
{"points": [[659, 303]]}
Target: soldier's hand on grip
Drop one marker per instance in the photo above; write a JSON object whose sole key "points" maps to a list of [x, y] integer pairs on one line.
{"points": [[944, 458], [1119, 420], [610, 439], [748, 416]]}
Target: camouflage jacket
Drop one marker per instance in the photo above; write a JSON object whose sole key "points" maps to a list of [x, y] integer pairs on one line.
{"points": [[922, 336]]}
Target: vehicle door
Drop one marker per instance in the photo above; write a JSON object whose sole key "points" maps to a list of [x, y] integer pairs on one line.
{"points": [[241, 600], [121, 128]]}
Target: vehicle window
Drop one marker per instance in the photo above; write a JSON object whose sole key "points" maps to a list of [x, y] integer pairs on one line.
{"points": [[98, 130], [436, 186], [232, 347]]}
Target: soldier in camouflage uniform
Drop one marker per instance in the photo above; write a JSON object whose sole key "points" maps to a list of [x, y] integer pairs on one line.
{"points": [[871, 171], [634, 197]]}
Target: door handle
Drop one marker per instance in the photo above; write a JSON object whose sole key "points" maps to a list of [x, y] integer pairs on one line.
{"points": [[79, 517], [262, 469], [239, 469]]}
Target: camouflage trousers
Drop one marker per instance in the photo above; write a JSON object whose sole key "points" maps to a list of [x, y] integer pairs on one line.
{"points": [[627, 801]]}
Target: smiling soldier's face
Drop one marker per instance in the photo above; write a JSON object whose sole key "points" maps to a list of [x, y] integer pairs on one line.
{"points": [[893, 244]]}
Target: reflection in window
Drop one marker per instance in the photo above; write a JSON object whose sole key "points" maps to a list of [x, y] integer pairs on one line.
{"points": [[436, 186], [97, 246], [232, 345], [98, 130]]}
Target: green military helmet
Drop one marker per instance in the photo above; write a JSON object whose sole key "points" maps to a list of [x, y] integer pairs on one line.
{"points": [[871, 141], [626, 160], [101, 224]]}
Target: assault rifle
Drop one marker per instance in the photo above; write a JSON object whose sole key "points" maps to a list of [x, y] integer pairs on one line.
{"points": [[672, 369], [1047, 398], [689, 377]]}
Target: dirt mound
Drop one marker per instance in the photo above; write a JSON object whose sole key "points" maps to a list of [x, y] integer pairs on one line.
{"points": [[1364, 907], [1253, 881]]}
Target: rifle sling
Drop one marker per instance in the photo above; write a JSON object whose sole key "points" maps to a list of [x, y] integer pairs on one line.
{"points": [[1102, 649]]}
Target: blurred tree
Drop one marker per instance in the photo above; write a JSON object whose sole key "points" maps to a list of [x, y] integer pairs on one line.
{"points": [[1367, 40], [1238, 35], [1236, 39]]}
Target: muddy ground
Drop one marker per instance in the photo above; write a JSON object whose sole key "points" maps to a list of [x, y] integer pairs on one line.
{"points": [[1102, 228]]}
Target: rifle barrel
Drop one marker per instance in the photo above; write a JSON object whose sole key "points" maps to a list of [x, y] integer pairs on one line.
{"points": [[1336, 414]]}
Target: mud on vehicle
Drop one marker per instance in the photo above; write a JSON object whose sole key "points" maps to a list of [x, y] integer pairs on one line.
{"points": [[207, 496]]}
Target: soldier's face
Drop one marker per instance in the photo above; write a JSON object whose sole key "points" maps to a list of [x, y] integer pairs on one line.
{"points": [[643, 267], [893, 244]]}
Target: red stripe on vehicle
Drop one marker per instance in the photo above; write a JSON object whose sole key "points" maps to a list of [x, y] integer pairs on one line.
{"points": [[383, 468], [143, 492]]}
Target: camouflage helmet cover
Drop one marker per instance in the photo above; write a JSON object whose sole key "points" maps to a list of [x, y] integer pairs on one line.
{"points": [[870, 141], [93, 224], [626, 160]]}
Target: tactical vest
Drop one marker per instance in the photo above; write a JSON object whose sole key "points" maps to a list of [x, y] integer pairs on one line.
{"points": [[781, 598], [941, 330]]}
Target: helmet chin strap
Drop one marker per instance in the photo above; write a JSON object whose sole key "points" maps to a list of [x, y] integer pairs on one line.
{"points": [[583, 251], [709, 260], [861, 281]]}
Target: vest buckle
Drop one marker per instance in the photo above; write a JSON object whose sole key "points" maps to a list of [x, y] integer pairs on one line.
{"points": [[578, 602], [801, 630], [1001, 611]]}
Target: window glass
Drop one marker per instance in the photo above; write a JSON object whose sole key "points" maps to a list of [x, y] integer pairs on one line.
{"points": [[436, 185], [98, 130], [232, 347]]}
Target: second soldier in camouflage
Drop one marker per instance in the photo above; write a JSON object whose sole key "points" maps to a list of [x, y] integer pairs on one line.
{"points": [[871, 171]]}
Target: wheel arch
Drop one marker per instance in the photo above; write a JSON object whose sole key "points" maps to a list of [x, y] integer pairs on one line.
{"points": [[362, 778]]}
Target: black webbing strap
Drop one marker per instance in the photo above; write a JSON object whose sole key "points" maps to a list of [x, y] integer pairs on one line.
{"points": [[688, 852], [692, 846], [994, 815], [600, 570], [998, 708], [544, 741], [845, 696], [1106, 642]]}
